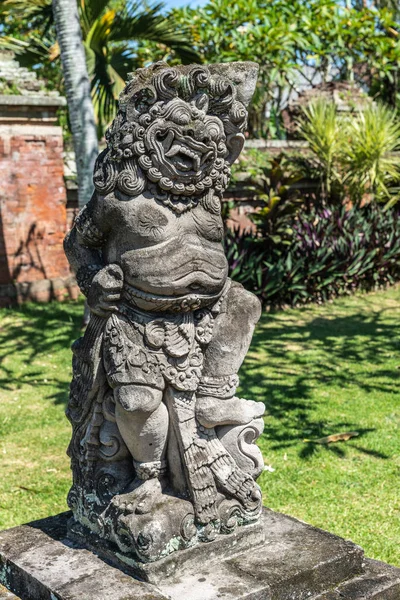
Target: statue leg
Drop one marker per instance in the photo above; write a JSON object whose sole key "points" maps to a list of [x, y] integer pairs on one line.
{"points": [[142, 420], [211, 464], [233, 330]]}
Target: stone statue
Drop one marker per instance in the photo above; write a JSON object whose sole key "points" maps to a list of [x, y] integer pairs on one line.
{"points": [[162, 450]]}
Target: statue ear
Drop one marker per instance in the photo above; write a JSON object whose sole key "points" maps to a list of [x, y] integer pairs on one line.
{"points": [[242, 74], [234, 143]]}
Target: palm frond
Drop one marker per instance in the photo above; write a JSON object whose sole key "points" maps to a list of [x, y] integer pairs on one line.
{"points": [[90, 11], [40, 11], [30, 52], [138, 22], [122, 62], [102, 88], [10, 43], [134, 23], [27, 7], [98, 36]]}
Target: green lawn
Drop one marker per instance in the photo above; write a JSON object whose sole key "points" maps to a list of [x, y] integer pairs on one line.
{"points": [[321, 370]]}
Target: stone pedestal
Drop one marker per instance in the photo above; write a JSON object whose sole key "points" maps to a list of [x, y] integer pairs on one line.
{"points": [[296, 562]]}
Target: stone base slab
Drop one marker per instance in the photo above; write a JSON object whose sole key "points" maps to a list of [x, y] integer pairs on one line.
{"points": [[297, 562], [242, 540]]}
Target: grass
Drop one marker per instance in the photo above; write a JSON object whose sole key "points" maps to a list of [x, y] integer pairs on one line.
{"points": [[35, 371], [320, 369]]}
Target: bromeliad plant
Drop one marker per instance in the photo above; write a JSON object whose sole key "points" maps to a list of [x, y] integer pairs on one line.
{"points": [[271, 181]]}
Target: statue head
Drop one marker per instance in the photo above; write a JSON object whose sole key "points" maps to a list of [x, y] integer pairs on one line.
{"points": [[177, 131]]}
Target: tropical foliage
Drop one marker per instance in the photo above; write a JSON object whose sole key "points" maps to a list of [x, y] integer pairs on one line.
{"points": [[297, 43], [332, 252], [355, 154], [111, 30], [320, 228]]}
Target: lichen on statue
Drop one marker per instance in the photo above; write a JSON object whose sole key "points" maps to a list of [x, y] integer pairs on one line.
{"points": [[162, 448]]}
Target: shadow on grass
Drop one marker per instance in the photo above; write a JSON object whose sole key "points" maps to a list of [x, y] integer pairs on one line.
{"points": [[297, 357], [35, 332], [330, 350]]}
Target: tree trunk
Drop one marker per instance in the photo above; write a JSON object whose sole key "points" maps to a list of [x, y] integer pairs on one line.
{"points": [[77, 87]]}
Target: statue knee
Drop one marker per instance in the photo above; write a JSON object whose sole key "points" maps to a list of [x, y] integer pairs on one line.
{"points": [[243, 304], [138, 398], [233, 330]]}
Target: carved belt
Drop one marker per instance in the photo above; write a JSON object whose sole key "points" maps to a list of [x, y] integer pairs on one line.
{"points": [[174, 304]]}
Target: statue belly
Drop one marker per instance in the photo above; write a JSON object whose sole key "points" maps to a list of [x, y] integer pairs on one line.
{"points": [[176, 269]]}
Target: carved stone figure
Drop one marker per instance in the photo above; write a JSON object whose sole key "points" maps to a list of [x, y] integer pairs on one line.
{"points": [[162, 451]]}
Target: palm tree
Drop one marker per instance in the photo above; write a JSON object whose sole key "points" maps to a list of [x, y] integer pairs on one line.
{"points": [[111, 31], [77, 89]]}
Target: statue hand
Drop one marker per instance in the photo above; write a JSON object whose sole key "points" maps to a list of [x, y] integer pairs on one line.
{"points": [[105, 290]]}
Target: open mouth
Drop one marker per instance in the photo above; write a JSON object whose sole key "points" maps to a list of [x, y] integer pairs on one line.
{"points": [[187, 155]]}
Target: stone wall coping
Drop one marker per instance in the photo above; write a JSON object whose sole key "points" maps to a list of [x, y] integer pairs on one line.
{"points": [[37, 100], [276, 144]]}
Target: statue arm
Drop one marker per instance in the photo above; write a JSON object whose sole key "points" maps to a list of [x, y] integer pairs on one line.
{"points": [[101, 283], [83, 244]]}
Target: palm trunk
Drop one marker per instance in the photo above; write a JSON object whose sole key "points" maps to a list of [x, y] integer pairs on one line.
{"points": [[77, 87]]}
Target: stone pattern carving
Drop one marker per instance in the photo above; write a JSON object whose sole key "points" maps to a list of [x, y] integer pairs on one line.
{"points": [[162, 450]]}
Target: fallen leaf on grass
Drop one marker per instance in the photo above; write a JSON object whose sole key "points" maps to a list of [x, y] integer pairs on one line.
{"points": [[336, 437], [26, 489]]}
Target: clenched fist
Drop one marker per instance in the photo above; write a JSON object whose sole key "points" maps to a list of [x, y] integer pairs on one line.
{"points": [[105, 290]]}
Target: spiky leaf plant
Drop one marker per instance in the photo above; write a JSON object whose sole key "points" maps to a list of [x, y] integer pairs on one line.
{"points": [[371, 168], [320, 126]]}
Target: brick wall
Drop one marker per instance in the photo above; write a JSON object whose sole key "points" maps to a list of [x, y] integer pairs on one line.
{"points": [[33, 218]]}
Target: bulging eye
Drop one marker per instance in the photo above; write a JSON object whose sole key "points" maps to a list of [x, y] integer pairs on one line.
{"points": [[180, 117], [127, 139]]}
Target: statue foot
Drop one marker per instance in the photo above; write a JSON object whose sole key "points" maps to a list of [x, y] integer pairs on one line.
{"points": [[212, 412], [140, 496]]}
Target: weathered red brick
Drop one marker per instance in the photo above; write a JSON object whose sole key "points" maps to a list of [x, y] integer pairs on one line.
{"points": [[33, 218]]}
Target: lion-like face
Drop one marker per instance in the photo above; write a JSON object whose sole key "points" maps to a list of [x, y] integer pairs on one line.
{"points": [[184, 143], [176, 134]]}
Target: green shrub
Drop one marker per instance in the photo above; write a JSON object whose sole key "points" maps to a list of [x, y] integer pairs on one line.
{"points": [[333, 251], [355, 153], [369, 165]]}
